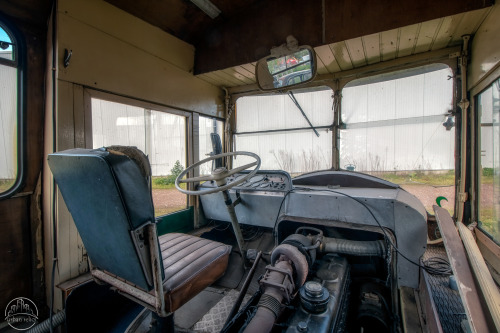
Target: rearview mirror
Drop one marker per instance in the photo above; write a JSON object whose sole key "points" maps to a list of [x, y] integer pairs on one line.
{"points": [[286, 66]]}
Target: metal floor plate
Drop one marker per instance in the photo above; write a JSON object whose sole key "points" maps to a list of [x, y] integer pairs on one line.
{"points": [[214, 320], [448, 302]]}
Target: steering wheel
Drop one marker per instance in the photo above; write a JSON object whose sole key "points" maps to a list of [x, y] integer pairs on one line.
{"points": [[219, 174]]}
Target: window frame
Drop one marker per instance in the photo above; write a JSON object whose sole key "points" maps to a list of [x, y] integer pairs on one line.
{"points": [[190, 151], [19, 63], [475, 189], [235, 132]]}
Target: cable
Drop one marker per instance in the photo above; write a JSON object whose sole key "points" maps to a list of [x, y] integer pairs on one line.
{"points": [[434, 270], [275, 234], [437, 266]]}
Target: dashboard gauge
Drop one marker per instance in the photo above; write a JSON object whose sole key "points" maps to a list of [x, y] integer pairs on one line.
{"points": [[256, 179], [237, 179]]}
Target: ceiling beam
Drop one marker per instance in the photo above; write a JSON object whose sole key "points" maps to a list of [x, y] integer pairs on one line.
{"points": [[248, 36]]}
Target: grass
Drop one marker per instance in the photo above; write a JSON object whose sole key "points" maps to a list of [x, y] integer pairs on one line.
{"points": [[164, 183], [5, 184], [489, 222], [419, 177], [168, 210]]}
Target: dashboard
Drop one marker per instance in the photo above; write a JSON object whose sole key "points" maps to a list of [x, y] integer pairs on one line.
{"points": [[267, 181]]}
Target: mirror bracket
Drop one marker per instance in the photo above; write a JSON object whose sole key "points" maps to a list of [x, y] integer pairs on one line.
{"points": [[291, 46]]}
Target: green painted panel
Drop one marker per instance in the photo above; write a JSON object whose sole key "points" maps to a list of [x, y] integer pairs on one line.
{"points": [[181, 221]]}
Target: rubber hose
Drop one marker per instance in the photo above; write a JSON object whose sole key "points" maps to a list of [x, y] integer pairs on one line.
{"points": [[357, 248], [270, 301], [44, 326], [263, 321]]}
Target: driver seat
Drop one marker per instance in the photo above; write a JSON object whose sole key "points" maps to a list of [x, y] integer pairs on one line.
{"points": [[108, 194]]}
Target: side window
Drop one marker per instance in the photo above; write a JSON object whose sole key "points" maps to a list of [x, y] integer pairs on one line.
{"points": [[211, 140], [10, 113], [489, 186], [160, 135]]}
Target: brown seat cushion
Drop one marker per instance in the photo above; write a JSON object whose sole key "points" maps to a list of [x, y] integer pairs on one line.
{"points": [[191, 264]]}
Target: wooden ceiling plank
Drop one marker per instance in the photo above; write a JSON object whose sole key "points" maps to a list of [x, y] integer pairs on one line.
{"points": [[245, 72], [325, 54], [250, 67], [469, 24], [226, 79], [320, 66], [219, 81], [388, 44], [356, 51], [205, 77], [407, 39], [446, 31], [341, 54], [426, 36], [234, 74], [371, 44]]}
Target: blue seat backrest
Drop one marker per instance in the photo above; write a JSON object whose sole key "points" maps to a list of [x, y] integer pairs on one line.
{"points": [[108, 198]]}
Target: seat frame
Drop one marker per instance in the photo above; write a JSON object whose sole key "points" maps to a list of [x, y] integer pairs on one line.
{"points": [[153, 301]]}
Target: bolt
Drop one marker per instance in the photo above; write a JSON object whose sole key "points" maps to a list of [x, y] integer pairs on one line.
{"points": [[302, 326]]}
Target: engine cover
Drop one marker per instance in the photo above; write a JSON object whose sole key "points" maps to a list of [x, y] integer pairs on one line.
{"points": [[332, 274]]}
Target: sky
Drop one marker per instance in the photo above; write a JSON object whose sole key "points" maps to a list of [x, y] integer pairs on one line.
{"points": [[4, 37]]}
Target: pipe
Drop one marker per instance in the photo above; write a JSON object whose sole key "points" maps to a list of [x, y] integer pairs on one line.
{"points": [[44, 326], [351, 247], [464, 106], [270, 302]]}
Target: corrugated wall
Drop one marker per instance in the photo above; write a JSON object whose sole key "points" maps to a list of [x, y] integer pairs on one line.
{"points": [[160, 135], [296, 151], [8, 121], [398, 124]]}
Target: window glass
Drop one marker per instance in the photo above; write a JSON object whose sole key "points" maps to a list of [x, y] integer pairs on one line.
{"points": [[489, 203], [274, 128], [211, 141], [398, 127], [160, 135], [8, 112]]}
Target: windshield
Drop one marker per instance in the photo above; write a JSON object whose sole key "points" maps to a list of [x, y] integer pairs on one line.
{"points": [[291, 132], [398, 126]]}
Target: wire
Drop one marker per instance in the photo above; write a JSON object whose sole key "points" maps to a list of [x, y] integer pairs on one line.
{"points": [[437, 266], [275, 234], [433, 268]]}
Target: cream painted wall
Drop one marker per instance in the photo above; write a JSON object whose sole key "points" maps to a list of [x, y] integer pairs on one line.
{"points": [[120, 54], [485, 48], [116, 52]]}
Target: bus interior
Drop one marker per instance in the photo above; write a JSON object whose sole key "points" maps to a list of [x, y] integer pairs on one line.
{"points": [[250, 166]]}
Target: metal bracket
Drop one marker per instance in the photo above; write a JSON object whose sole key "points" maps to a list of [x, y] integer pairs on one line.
{"points": [[463, 197], [286, 286], [140, 240], [238, 199]]}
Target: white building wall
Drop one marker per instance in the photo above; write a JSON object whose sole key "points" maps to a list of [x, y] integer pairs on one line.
{"points": [[398, 124], [8, 120], [161, 136]]}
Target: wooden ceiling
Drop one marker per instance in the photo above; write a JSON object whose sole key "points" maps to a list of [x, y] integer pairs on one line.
{"points": [[346, 34], [371, 49], [246, 30]]}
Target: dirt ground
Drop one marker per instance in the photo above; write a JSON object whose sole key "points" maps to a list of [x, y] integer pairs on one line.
{"points": [[427, 195], [169, 200]]}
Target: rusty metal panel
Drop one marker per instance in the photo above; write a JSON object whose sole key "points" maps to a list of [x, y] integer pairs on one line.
{"points": [[462, 271]]}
